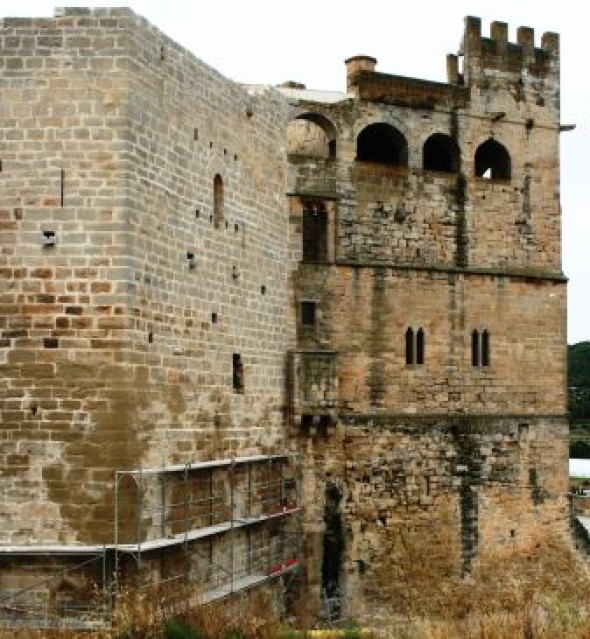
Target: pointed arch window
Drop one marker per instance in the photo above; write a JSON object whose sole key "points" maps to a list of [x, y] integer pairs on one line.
{"points": [[480, 348], [475, 348], [485, 348], [415, 346], [409, 347], [420, 346]]}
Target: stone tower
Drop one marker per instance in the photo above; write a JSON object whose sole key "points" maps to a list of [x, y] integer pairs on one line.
{"points": [[429, 393]]}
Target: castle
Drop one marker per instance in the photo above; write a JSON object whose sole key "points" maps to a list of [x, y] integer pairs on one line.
{"points": [[252, 334]]}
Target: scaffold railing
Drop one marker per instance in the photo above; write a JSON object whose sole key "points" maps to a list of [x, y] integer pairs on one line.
{"points": [[222, 525]]}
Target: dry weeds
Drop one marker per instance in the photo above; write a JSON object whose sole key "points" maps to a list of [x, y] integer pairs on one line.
{"points": [[543, 593]]}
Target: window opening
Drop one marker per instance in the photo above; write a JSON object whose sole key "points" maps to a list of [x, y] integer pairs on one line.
{"points": [[308, 313], [415, 346], [306, 423], [312, 135], [475, 348], [332, 149], [217, 201], [49, 239], [485, 348], [315, 232], [440, 153], [238, 373], [492, 161], [214, 318], [409, 347], [420, 346], [382, 143], [62, 187], [480, 348]]}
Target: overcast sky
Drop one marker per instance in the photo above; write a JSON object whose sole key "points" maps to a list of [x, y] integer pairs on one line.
{"points": [[270, 41]]}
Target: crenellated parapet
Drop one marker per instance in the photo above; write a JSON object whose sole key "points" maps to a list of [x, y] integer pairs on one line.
{"points": [[496, 54]]}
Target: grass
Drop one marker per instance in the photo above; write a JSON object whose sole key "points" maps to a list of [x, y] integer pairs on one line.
{"points": [[543, 593]]}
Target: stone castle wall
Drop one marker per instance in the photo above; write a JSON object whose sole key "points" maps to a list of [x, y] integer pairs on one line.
{"points": [[118, 340], [363, 314], [425, 502], [194, 270], [441, 466]]}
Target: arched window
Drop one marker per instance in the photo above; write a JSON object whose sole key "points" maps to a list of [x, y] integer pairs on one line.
{"points": [[480, 348], [475, 348], [440, 153], [415, 347], [382, 143], [492, 161], [312, 135], [420, 346], [409, 347], [485, 348], [217, 201]]}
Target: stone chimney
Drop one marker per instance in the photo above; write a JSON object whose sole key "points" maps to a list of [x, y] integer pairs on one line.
{"points": [[355, 64]]}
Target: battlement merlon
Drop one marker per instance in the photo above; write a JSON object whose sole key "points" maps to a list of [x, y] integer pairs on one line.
{"points": [[529, 73], [497, 54]]}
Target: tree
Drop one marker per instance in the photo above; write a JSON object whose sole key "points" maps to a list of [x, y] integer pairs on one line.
{"points": [[578, 373]]}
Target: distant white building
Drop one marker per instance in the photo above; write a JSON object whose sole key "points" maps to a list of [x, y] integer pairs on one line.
{"points": [[580, 468]]}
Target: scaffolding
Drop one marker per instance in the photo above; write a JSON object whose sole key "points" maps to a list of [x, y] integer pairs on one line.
{"points": [[74, 594], [199, 531], [215, 528]]}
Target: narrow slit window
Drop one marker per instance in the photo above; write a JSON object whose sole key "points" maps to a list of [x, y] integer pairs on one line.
{"points": [[420, 346], [308, 314], [480, 348], [62, 186], [217, 201], [238, 373], [415, 346], [409, 347], [485, 348], [475, 348]]}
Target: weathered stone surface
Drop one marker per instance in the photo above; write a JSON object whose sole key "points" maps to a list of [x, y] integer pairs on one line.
{"points": [[161, 227]]}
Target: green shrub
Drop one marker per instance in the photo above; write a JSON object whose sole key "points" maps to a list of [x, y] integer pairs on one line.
{"points": [[177, 629]]}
